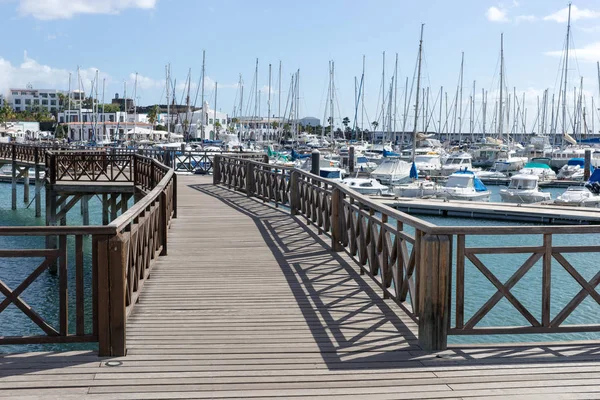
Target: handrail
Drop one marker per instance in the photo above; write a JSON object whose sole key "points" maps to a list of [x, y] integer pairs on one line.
{"points": [[123, 252]]}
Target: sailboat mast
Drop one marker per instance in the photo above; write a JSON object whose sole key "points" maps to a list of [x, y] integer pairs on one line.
{"points": [[256, 90], [395, 93], [134, 105], [168, 85], [202, 119], [460, 119], [414, 141], [188, 115], [269, 107], [362, 95], [279, 102], [439, 129], [500, 103], [331, 102], [405, 116], [103, 116], [241, 105], [215, 113], [564, 110], [383, 95]]}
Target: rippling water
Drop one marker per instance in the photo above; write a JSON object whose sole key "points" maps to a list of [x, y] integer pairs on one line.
{"points": [[42, 294]]}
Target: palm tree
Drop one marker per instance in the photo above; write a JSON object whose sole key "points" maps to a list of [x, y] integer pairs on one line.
{"points": [[374, 124], [153, 115], [346, 122]]}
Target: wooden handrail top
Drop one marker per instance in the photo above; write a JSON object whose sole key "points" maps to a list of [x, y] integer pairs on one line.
{"points": [[56, 230]]}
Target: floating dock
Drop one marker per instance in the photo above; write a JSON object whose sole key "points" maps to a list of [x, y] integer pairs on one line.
{"points": [[534, 213]]}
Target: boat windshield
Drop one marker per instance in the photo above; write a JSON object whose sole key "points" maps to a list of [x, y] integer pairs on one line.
{"points": [[522, 184], [459, 181], [455, 161], [362, 160], [426, 159], [330, 174]]}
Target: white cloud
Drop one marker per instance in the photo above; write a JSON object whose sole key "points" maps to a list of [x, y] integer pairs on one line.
{"points": [[589, 29], [143, 82], [496, 14], [525, 18], [42, 76], [65, 9], [562, 16], [589, 53]]}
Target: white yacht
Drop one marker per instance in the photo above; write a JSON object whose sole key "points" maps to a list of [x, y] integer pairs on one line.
{"points": [[523, 188], [457, 162], [508, 162], [367, 186], [580, 196], [429, 164], [583, 196], [491, 174], [542, 171], [572, 170], [419, 188], [464, 185], [392, 171]]}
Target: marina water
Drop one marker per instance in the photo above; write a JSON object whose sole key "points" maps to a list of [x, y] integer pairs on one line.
{"points": [[42, 294]]}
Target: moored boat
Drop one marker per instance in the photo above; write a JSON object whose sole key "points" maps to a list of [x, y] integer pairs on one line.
{"points": [[464, 185], [368, 186], [523, 188]]}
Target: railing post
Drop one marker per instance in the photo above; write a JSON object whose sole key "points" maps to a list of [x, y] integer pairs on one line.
{"points": [[152, 177], [434, 281], [164, 222], [336, 231], [294, 193], [174, 195], [216, 169], [111, 282], [249, 179]]}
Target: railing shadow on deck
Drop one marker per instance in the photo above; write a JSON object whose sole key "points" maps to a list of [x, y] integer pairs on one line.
{"points": [[286, 235], [18, 364], [364, 330]]}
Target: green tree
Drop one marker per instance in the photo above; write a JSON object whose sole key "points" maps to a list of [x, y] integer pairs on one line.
{"points": [[152, 114], [374, 124], [6, 113], [217, 127], [109, 108], [346, 121], [160, 127]]}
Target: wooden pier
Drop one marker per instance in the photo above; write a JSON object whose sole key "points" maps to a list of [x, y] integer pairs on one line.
{"points": [[278, 284]]}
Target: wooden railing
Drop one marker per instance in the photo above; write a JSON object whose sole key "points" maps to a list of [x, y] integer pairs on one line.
{"points": [[123, 254], [412, 260]]}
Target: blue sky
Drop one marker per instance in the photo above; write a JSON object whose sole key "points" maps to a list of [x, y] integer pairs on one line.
{"points": [[44, 39]]}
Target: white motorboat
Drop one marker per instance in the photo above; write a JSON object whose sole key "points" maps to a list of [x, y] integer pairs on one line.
{"points": [[507, 162], [464, 185], [457, 162], [368, 186], [364, 165], [490, 174], [580, 196], [542, 171], [392, 171], [428, 164], [572, 170], [523, 188], [583, 196], [418, 188], [332, 173]]}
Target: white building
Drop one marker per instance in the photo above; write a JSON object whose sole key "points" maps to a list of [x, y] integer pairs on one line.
{"points": [[103, 131], [28, 99], [87, 115], [195, 121]]}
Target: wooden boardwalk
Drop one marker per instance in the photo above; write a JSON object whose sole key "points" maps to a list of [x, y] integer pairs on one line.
{"points": [[250, 303]]}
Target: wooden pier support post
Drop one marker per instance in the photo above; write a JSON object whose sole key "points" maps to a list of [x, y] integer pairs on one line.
{"points": [[51, 240], [315, 162], [216, 169], [112, 315], [25, 174], [85, 209], [294, 193], [105, 220], [587, 164], [14, 178], [38, 189], [249, 179], [336, 215], [433, 297], [351, 158]]}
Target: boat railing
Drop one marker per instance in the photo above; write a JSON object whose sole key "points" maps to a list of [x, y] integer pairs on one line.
{"points": [[423, 267]]}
